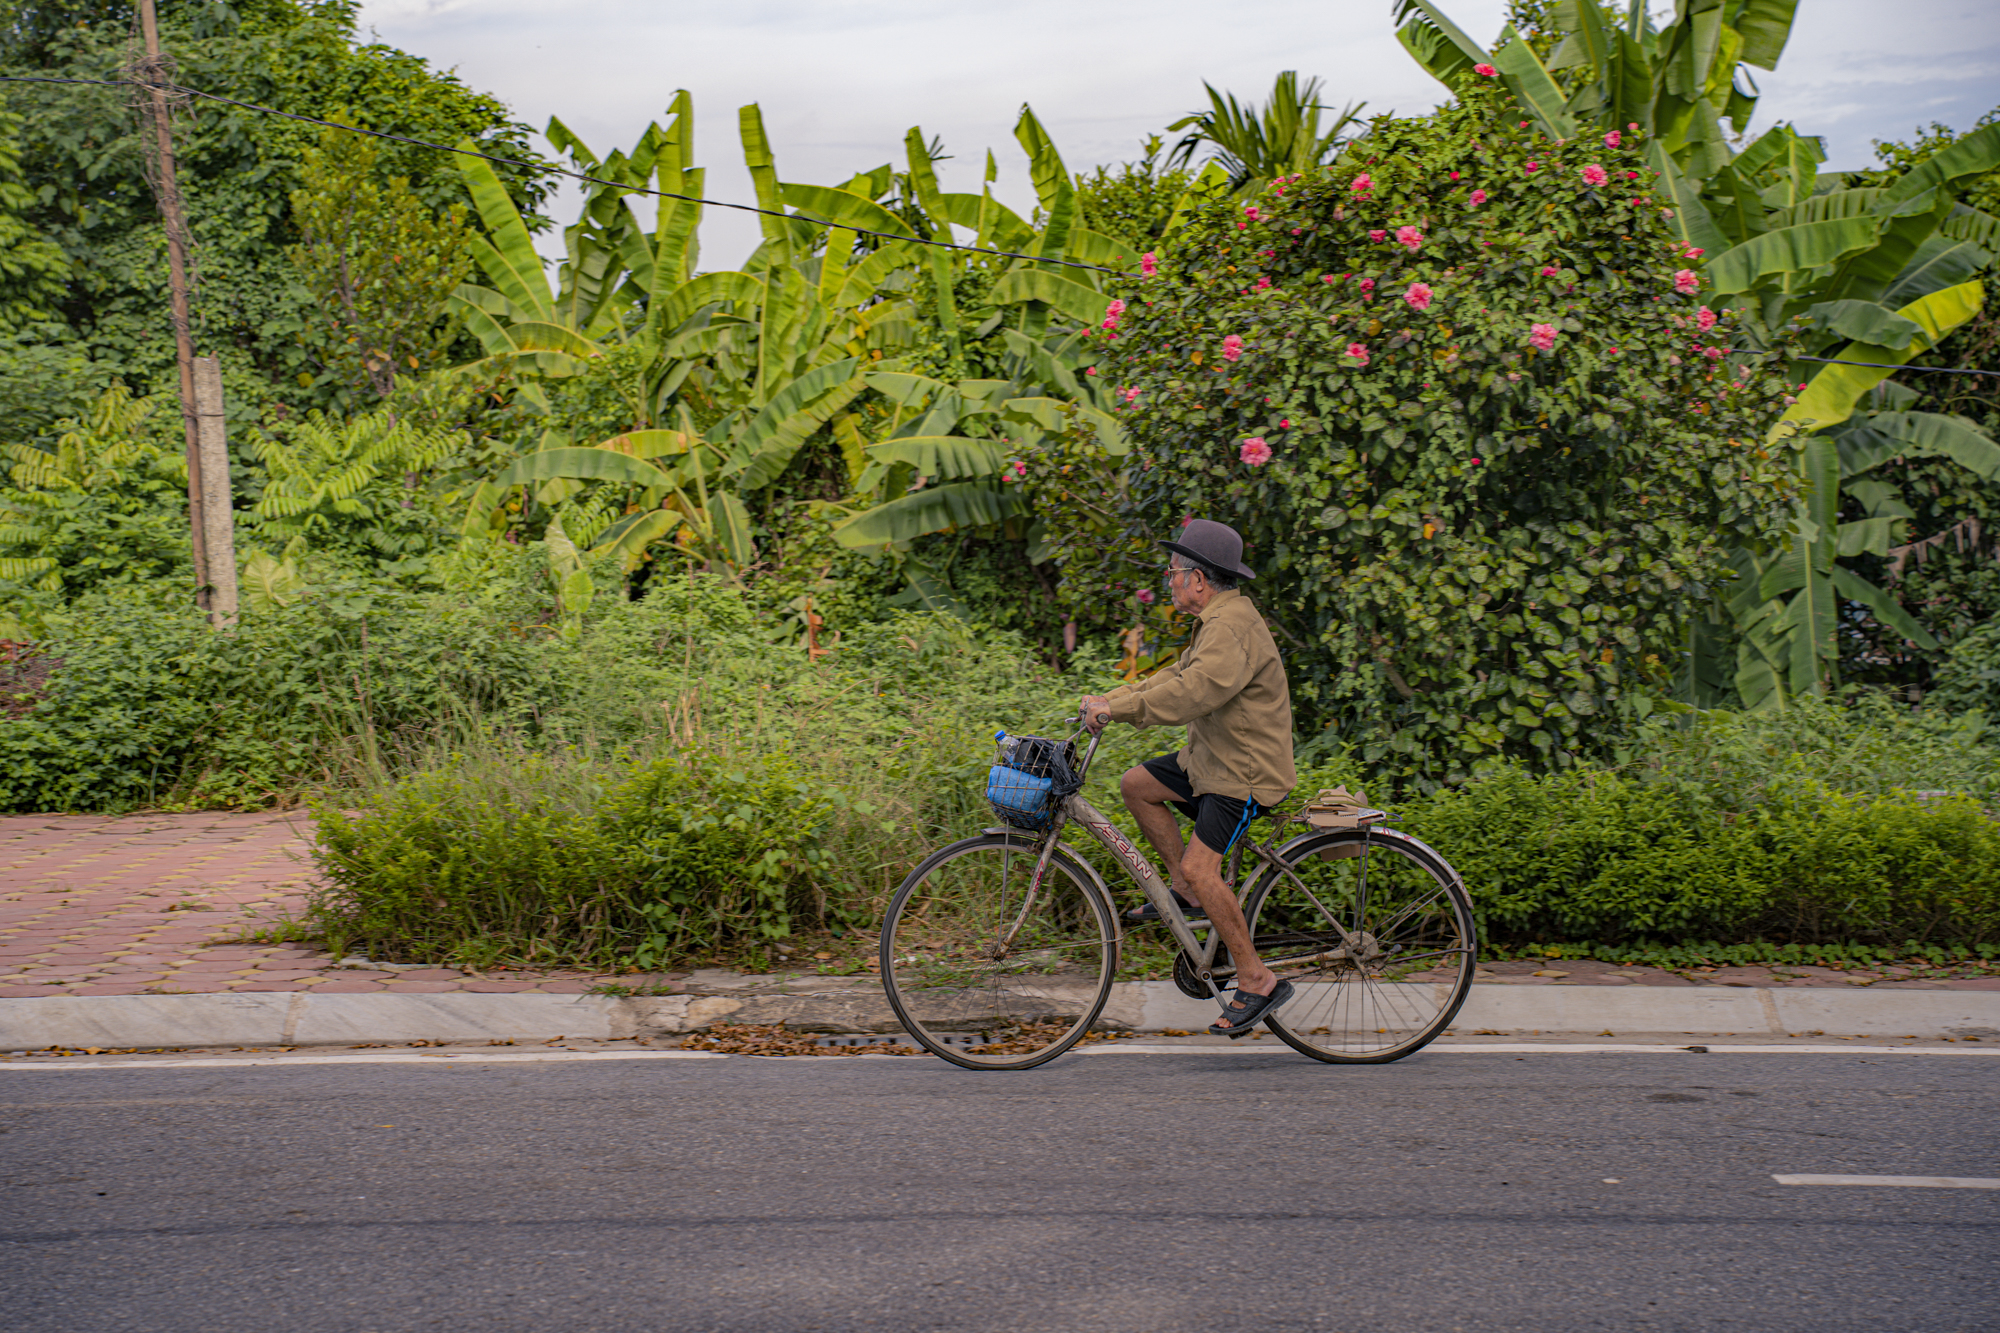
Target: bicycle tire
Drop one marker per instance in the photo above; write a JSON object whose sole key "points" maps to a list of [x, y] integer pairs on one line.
{"points": [[981, 1004], [1418, 943]]}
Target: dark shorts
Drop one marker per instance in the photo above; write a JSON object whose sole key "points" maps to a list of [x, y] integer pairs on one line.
{"points": [[1218, 820]]}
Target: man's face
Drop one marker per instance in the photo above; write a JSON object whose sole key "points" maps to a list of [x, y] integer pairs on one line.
{"points": [[1185, 585]]}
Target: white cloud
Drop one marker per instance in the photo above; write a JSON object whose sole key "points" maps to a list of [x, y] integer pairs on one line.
{"points": [[840, 81]]}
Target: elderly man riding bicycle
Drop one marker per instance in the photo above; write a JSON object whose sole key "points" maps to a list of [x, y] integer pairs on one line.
{"points": [[1229, 689]]}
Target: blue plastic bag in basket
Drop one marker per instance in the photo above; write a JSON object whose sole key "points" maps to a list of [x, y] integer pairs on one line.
{"points": [[1024, 800]]}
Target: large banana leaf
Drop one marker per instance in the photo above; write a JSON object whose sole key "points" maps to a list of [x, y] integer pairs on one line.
{"points": [[1881, 436], [1866, 322], [1831, 395], [843, 209], [1533, 86], [1790, 249], [508, 258], [963, 504], [1080, 302], [950, 457], [1939, 262], [583, 465]]}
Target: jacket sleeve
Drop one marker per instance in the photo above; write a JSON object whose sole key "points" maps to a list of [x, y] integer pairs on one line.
{"points": [[1214, 673]]}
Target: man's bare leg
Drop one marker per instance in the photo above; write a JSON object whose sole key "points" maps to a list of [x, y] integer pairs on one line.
{"points": [[1146, 797], [1195, 872], [1202, 865]]}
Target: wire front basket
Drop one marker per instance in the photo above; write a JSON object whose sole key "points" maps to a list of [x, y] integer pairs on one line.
{"points": [[1027, 786]]}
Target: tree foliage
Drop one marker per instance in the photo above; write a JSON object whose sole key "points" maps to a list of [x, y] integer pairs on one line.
{"points": [[1505, 452], [379, 264]]}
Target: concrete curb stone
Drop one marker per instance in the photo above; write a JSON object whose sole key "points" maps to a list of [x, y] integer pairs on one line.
{"points": [[306, 1019]]}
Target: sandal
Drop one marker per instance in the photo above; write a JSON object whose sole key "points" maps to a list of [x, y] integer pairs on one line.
{"points": [[1146, 912], [1245, 1011]]}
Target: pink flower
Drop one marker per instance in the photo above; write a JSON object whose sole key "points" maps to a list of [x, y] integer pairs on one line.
{"points": [[1362, 184], [1712, 353], [1631, 175], [1543, 336], [1594, 175], [1612, 139], [1419, 296], [1262, 283], [1368, 284], [1091, 371], [1550, 271], [1328, 278], [1131, 395], [1286, 424], [1687, 282], [1479, 197], [1409, 237], [1148, 265], [1484, 71], [1534, 166], [1358, 352], [1705, 320], [1378, 236], [1694, 252], [1115, 309], [1454, 175], [1254, 451], [1232, 348], [1250, 211], [1145, 595], [1633, 126]]}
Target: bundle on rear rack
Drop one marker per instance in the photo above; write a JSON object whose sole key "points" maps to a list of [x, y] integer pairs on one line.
{"points": [[1033, 776]]}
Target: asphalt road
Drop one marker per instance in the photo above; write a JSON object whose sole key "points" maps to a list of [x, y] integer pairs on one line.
{"points": [[1248, 1191]]}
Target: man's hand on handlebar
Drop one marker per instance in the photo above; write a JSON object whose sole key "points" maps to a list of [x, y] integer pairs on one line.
{"points": [[1093, 711]]}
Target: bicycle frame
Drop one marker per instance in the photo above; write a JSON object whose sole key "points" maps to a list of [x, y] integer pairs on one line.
{"points": [[1140, 866]]}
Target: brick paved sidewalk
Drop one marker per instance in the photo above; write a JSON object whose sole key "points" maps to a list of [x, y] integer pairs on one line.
{"points": [[163, 904]]}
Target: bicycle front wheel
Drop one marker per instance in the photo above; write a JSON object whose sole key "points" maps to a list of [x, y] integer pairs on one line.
{"points": [[1376, 934], [988, 972]]}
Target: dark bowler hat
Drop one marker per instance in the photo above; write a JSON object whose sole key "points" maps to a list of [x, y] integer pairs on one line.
{"points": [[1214, 544]]}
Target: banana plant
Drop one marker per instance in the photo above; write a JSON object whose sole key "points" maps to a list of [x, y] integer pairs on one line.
{"points": [[1786, 605], [1255, 146]]}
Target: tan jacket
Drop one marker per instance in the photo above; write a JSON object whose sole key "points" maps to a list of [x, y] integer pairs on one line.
{"points": [[1229, 688]]}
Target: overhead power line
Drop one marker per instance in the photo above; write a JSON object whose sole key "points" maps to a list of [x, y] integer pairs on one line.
{"points": [[547, 170]]}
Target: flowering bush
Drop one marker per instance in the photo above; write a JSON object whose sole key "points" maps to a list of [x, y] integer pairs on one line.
{"points": [[1488, 507]]}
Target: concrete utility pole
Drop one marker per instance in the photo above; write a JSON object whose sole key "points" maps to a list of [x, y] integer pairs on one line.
{"points": [[218, 509], [166, 187]]}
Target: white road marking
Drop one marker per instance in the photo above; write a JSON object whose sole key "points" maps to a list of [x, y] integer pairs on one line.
{"points": [[1246, 1047], [1552, 1048], [1920, 1182]]}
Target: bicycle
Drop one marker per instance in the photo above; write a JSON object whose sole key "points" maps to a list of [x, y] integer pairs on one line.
{"points": [[999, 951]]}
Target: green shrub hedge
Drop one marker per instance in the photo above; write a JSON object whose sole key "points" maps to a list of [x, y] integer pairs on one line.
{"points": [[531, 859]]}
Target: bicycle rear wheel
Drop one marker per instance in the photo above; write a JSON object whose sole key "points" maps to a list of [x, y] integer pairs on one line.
{"points": [[1398, 976], [984, 973]]}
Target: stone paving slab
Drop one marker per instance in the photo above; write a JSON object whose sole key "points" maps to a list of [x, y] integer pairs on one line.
{"points": [[166, 904]]}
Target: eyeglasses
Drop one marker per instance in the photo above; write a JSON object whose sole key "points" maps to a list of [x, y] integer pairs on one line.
{"points": [[1168, 581]]}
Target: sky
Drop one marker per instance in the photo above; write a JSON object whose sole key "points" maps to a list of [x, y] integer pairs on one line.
{"points": [[840, 82]]}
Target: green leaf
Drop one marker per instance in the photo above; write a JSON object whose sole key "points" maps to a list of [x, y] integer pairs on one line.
{"points": [[943, 456], [582, 465], [1082, 303], [1866, 536], [1766, 26], [843, 209], [1939, 262], [964, 504], [508, 258], [1866, 321], [1532, 85], [732, 528], [1831, 395], [1881, 436], [1790, 250], [1882, 606]]}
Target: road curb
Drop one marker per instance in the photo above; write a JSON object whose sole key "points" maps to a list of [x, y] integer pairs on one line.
{"points": [[300, 1018]]}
